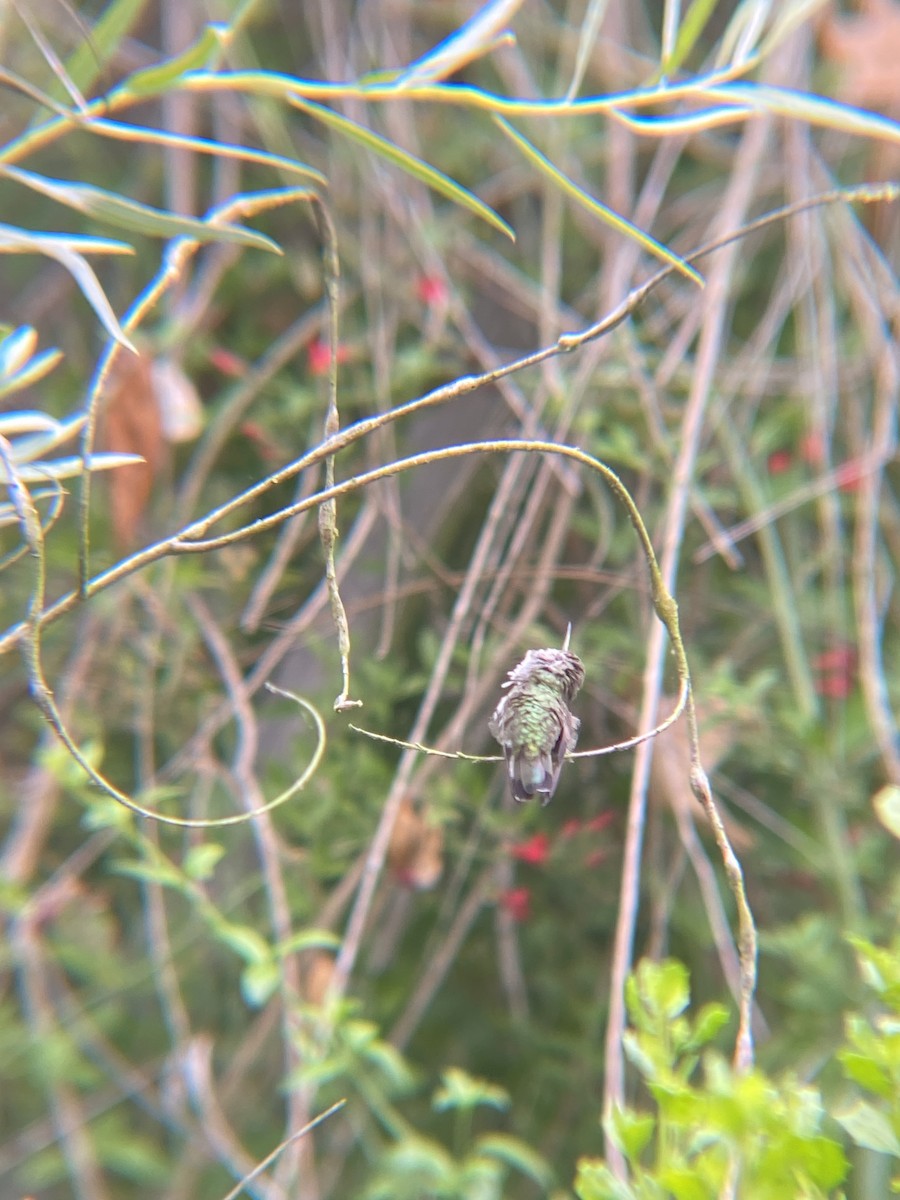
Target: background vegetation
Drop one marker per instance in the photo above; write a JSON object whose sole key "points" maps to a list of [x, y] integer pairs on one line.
{"points": [[179, 996]]}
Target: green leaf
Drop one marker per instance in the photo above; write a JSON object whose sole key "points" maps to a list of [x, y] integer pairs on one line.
{"points": [[140, 218], [683, 1184], [667, 987], [157, 872], [421, 1156], [662, 989], [166, 75], [461, 1091], [244, 941], [477, 1178], [632, 1131], [59, 763], [516, 1154], [390, 1064], [679, 1104], [868, 1074], [308, 939], [317, 1074], [259, 981], [869, 1127], [636, 1054], [200, 861], [105, 813], [880, 966], [595, 1181], [824, 1160], [426, 174], [886, 803], [607, 215], [709, 1021]]}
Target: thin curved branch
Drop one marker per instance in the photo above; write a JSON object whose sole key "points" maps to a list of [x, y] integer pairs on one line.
{"points": [[597, 752]]}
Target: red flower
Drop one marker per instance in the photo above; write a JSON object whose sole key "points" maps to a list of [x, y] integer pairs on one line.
{"points": [[228, 362], [267, 448], [535, 851], [597, 824], [779, 461], [812, 449], [840, 658], [837, 671], [318, 356], [571, 828], [594, 859], [848, 475], [834, 687], [432, 290], [517, 902]]}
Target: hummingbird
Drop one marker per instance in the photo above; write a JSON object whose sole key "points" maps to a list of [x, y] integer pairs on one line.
{"points": [[533, 723]]}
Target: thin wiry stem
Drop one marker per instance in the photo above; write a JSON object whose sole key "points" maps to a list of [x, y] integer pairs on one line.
{"points": [[272, 1155], [713, 313], [328, 530], [628, 744]]}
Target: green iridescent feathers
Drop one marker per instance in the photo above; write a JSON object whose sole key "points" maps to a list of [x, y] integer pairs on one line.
{"points": [[533, 723]]}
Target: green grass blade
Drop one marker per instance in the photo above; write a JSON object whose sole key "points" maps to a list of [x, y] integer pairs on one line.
{"points": [[470, 41], [70, 468], [101, 43], [804, 106], [121, 130], [140, 218], [436, 180], [166, 75], [785, 20], [37, 445], [690, 30], [552, 172], [587, 36], [31, 372], [23, 241]]}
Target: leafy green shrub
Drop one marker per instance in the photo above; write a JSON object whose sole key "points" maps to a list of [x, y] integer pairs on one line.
{"points": [[871, 1057]]}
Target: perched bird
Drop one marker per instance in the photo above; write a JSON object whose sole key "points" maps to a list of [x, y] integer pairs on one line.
{"points": [[533, 723]]}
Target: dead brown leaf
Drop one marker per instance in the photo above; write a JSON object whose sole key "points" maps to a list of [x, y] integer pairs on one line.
{"points": [[131, 424], [317, 976], [867, 49], [416, 849]]}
